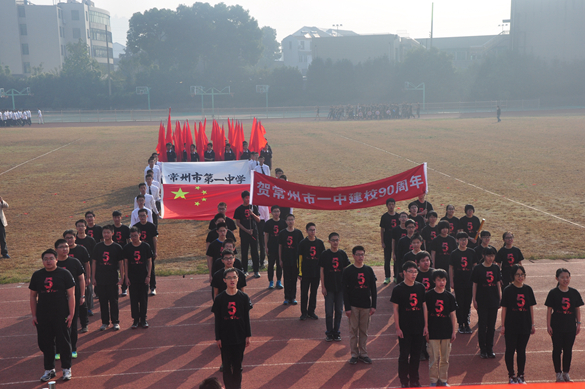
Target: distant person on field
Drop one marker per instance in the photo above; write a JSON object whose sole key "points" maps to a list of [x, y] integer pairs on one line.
{"points": [[3, 225], [41, 121], [498, 113]]}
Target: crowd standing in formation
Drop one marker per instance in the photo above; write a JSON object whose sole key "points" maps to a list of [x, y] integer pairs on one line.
{"points": [[15, 118], [441, 268], [373, 112]]}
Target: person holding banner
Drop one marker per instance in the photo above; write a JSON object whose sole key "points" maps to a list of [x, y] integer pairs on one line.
{"points": [[388, 222], [271, 230], [310, 249], [247, 217]]}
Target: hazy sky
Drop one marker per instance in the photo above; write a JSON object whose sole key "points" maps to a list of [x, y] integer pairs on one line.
{"points": [[452, 17]]}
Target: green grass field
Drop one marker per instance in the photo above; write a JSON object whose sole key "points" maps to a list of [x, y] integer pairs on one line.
{"points": [[537, 162]]}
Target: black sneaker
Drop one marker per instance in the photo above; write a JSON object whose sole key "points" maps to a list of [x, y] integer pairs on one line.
{"points": [[415, 384], [144, 324], [313, 316], [461, 329], [353, 361], [337, 338], [329, 338], [483, 355], [365, 360], [490, 354], [468, 329], [303, 317], [134, 325]]}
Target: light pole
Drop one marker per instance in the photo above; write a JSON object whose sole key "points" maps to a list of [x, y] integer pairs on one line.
{"points": [[337, 27]]}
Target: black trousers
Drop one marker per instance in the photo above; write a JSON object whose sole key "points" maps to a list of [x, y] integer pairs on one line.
{"points": [[274, 259], [309, 285], [387, 260], [290, 274], [73, 329], [138, 299], [82, 313], [53, 332], [463, 297], [249, 242], [261, 241], [152, 276], [3, 248], [486, 328], [562, 344], [409, 358], [231, 357], [108, 295], [516, 343]]}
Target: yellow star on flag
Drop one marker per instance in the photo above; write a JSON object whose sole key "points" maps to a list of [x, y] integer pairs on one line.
{"points": [[197, 187], [197, 203], [180, 194], [204, 199], [204, 192]]}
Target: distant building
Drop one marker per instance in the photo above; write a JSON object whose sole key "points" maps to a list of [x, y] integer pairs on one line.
{"points": [[37, 35], [465, 50], [549, 29]]}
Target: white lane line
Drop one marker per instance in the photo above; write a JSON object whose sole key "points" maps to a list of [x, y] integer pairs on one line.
{"points": [[40, 156], [467, 183]]}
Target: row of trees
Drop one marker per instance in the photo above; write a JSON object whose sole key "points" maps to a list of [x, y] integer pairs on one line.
{"points": [[220, 46]]}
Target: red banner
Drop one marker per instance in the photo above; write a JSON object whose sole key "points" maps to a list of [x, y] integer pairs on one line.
{"points": [[199, 202], [404, 186]]}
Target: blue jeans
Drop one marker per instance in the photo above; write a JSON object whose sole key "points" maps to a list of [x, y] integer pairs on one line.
{"points": [[333, 301]]}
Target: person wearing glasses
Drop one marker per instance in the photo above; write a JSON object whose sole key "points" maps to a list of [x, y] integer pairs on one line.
{"points": [[518, 303], [508, 256]]}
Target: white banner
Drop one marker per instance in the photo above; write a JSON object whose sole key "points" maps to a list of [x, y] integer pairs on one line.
{"points": [[206, 173]]}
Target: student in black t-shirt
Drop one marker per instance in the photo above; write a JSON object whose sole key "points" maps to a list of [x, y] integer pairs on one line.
{"points": [[81, 253], [423, 206], [508, 256], [310, 249], [563, 322], [149, 235], [441, 308], [209, 154], [218, 264], [271, 230], [461, 263], [218, 285], [171, 155], [106, 260], [419, 221], [411, 322], [451, 219], [425, 277], [442, 247], [484, 237], [398, 232], [517, 322], [247, 218], [359, 297], [486, 279], [222, 209], [288, 243], [193, 156], [228, 154], [331, 263], [431, 230], [212, 235], [89, 243], [470, 224], [52, 306], [388, 222], [122, 237], [232, 328], [137, 269], [404, 246], [416, 242], [76, 269], [216, 247], [92, 229]]}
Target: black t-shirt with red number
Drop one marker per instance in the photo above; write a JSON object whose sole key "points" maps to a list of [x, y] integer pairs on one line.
{"points": [[439, 308], [51, 288], [218, 282], [507, 258], [563, 304], [462, 262], [333, 264], [88, 242], [243, 214], [429, 234], [95, 232], [479, 252], [443, 247], [359, 287], [121, 235], [397, 234], [469, 225], [213, 235], [218, 265], [273, 228], [107, 259], [388, 223], [148, 232], [289, 241], [402, 247], [214, 250], [419, 222], [426, 278], [310, 251], [137, 257], [232, 317], [518, 302], [79, 252], [231, 224], [487, 294], [422, 206], [74, 266], [410, 300], [453, 224]]}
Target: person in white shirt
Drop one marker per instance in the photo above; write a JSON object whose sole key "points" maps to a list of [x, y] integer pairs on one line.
{"points": [[41, 121], [140, 202], [155, 169], [154, 191], [253, 162], [149, 202]]}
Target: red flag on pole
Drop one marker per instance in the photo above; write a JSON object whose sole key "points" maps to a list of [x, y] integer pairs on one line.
{"points": [[261, 139], [188, 140], [221, 141], [215, 140], [253, 136], [169, 137], [160, 147], [241, 139], [178, 141], [202, 140]]}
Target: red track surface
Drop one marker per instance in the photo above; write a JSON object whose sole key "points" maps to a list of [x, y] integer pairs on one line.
{"points": [[178, 350]]}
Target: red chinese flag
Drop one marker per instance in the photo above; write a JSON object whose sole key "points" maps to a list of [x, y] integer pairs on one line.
{"points": [[188, 139], [261, 139], [253, 136], [199, 202], [178, 141], [160, 147], [222, 144], [169, 137], [215, 139]]}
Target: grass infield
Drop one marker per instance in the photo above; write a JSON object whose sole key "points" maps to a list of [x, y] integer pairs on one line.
{"points": [[535, 161]]}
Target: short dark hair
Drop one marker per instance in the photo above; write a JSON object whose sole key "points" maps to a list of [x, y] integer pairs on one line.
{"points": [[210, 383], [432, 213], [278, 170], [220, 225], [219, 215], [69, 232], [439, 273], [358, 248], [485, 233], [390, 200], [228, 240], [283, 177], [149, 175], [468, 207], [461, 235], [274, 207], [226, 252], [89, 213], [421, 255], [229, 270], [49, 251], [489, 251], [143, 210], [309, 225], [417, 236], [116, 213], [140, 196], [245, 194], [59, 241], [81, 221], [141, 184], [514, 269], [134, 229], [333, 234], [108, 227], [409, 222], [409, 265], [443, 224], [290, 215]]}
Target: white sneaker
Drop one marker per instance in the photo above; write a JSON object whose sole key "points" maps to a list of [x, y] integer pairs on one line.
{"points": [[116, 327], [566, 377], [48, 375], [66, 374]]}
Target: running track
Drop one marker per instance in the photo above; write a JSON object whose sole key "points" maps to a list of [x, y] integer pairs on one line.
{"points": [[178, 350]]}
